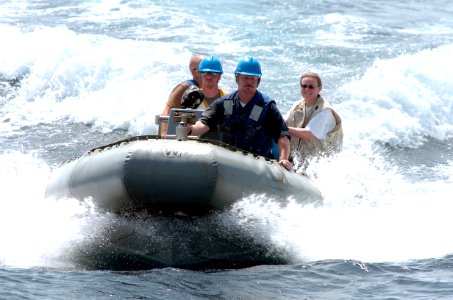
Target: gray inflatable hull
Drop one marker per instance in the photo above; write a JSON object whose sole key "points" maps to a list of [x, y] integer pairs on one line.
{"points": [[157, 175]]}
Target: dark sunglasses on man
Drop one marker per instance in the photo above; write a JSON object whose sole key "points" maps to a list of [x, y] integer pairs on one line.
{"points": [[208, 73]]}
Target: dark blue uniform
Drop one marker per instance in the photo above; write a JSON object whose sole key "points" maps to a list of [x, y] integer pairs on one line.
{"points": [[254, 127]]}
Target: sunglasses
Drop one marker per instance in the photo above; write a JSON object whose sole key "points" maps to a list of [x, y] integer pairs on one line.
{"points": [[208, 73], [310, 86]]}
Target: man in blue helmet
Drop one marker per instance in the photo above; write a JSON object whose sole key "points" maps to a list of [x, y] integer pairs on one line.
{"points": [[210, 71], [247, 118], [200, 91]]}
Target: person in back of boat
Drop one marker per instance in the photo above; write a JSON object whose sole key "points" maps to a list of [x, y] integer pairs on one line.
{"points": [[174, 100], [247, 119], [314, 125], [210, 70], [200, 96]]}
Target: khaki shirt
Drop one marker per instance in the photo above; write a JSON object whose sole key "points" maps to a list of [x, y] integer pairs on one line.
{"points": [[299, 118]]}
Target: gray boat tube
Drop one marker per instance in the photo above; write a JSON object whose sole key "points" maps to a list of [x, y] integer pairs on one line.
{"points": [[193, 176]]}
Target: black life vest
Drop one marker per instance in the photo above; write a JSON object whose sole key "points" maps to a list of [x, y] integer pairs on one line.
{"points": [[243, 127]]}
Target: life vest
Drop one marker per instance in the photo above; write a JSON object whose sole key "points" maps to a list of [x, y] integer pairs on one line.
{"points": [[242, 127], [211, 134], [191, 82], [176, 95], [205, 104], [333, 143]]}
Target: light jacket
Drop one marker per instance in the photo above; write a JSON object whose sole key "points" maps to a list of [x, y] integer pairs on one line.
{"points": [[333, 143]]}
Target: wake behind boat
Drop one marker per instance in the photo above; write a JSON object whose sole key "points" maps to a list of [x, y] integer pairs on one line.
{"points": [[193, 176]]}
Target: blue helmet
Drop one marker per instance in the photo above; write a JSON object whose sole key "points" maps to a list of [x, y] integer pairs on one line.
{"points": [[249, 66], [210, 63]]}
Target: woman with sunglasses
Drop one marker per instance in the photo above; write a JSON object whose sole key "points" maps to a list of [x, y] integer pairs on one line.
{"points": [[314, 125]]}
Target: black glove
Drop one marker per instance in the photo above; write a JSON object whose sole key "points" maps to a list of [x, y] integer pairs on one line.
{"points": [[192, 97]]}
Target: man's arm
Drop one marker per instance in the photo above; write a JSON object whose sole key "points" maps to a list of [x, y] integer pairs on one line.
{"points": [[174, 101], [279, 130], [318, 127], [303, 133], [283, 150], [164, 125], [199, 128]]}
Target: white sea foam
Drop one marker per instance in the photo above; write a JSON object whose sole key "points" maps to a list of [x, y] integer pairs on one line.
{"points": [[406, 228], [94, 80], [401, 101]]}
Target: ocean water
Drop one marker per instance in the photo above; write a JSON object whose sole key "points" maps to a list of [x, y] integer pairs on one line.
{"points": [[80, 74]]}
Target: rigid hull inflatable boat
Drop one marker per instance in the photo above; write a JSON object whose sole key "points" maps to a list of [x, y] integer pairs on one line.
{"points": [[163, 175], [176, 174], [186, 177]]}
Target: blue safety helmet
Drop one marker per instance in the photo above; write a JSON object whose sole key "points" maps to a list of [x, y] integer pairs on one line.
{"points": [[210, 63], [249, 66]]}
